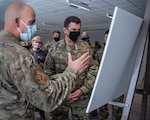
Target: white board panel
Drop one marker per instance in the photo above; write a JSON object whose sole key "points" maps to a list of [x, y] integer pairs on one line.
{"points": [[117, 62]]}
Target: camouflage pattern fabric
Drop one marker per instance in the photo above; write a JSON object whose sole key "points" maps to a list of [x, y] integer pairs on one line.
{"points": [[103, 112], [117, 111], [21, 79], [99, 53], [92, 47], [56, 62], [48, 45]]}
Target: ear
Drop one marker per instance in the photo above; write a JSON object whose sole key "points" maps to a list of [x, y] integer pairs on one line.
{"points": [[64, 29], [17, 22]]}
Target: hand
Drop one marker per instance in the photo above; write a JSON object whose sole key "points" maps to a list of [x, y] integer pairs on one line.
{"points": [[41, 65], [80, 64], [75, 95]]}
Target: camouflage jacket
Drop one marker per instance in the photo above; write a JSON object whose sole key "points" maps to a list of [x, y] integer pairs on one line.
{"points": [[98, 54], [56, 62], [21, 79], [49, 44]]}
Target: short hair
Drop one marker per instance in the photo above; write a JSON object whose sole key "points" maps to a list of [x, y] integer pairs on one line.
{"points": [[107, 31], [56, 31], [37, 38], [70, 19]]}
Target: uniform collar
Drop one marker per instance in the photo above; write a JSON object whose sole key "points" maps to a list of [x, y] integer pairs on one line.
{"points": [[9, 34]]}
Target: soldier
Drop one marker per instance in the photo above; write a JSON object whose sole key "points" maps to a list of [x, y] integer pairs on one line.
{"points": [[21, 78], [96, 48], [26, 44], [56, 62], [85, 37], [55, 38], [98, 51]]}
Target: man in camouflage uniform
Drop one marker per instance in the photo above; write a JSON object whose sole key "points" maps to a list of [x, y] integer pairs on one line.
{"points": [[21, 78], [98, 51], [96, 48], [85, 37], [56, 62], [56, 38]]}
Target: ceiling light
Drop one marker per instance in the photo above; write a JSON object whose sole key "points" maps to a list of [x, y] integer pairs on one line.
{"points": [[78, 4], [49, 24]]}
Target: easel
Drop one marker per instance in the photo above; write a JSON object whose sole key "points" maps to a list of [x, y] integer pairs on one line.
{"points": [[142, 41]]}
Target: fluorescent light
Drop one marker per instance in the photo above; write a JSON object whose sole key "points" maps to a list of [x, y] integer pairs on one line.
{"points": [[78, 4], [49, 24]]}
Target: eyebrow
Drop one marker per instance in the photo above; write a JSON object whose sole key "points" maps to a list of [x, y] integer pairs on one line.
{"points": [[75, 29]]}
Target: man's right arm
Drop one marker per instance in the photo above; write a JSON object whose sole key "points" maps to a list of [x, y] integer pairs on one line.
{"points": [[40, 90]]}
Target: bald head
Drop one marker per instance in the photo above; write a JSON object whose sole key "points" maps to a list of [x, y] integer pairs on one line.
{"points": [[14, 14], [84, 35], [15, 10]]}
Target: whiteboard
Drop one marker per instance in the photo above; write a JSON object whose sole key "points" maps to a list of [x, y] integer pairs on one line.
{"points": [[118, 58]]}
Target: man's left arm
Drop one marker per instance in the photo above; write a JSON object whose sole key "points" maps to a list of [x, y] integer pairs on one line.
{"points": [[90, 77]]}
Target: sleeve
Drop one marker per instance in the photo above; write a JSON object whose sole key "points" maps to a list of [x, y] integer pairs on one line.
{"points": [[49, 66], [90, 74], [36, 87], [90, 77], [99, 54]]}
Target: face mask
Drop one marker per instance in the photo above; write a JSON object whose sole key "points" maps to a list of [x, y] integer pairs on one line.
{"points": [[74, 36], [56, 39], [37, 45], [29, 34], [27, 47], [85, 39]]}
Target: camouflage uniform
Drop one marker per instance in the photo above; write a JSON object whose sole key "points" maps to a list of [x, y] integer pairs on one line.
{"points": [[117, 111], [103, 112], [93, 114], [56, 62], [99, 53], [92, 48], [21, 79], [48, 45]]}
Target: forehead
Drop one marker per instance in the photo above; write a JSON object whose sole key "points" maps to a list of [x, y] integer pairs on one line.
{"points": [[84, 34], [36, 41], [56, 34], [29, 15], [74, 25]]}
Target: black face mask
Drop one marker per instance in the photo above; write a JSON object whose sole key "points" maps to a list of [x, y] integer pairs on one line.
{"points": [[56, 39], [27, 47], [74, 36], [85, 39]]}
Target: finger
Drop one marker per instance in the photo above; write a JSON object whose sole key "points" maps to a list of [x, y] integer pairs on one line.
{"points": [[86, 59], [85, 55], [69, 57]]}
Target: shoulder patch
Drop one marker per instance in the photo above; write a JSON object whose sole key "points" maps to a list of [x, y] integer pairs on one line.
{"points": [[40, 77]]}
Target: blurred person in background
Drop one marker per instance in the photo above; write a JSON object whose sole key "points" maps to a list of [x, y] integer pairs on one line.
{"points": [[55, 38]]}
